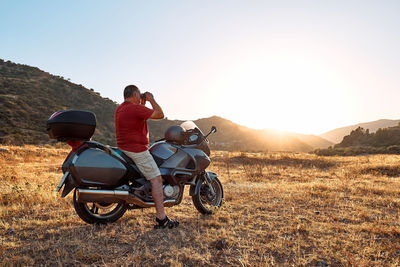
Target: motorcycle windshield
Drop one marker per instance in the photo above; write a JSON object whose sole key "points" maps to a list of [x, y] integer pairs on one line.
{"points": [[190, 125]]}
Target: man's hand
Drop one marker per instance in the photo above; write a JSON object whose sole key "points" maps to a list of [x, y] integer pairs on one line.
{"points": [[158, 113], [143, 99], [149, 96]]}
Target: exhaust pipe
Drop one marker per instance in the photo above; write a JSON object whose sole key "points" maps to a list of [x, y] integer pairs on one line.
{"points": [[115, 196]]}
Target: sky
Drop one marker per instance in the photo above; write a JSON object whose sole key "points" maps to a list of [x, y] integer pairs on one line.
{"points": [[300, 66]]}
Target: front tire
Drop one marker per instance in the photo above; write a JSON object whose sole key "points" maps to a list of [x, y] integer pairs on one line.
{"points": [[99, 213], [204, 201]]}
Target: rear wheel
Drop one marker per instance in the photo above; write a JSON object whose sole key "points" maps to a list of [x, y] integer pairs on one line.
{"points": [[100, 213], [205, 201]]}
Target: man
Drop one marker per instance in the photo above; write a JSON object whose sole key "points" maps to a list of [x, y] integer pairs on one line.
{"points": [[133, 138]]}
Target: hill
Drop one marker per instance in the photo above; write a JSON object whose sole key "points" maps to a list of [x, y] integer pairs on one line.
{"points": [[381, 138], [28, 96], [337, 135], [361, 141]]}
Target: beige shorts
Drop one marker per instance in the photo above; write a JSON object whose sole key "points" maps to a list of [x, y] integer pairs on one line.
{"points": [[145, 163]]}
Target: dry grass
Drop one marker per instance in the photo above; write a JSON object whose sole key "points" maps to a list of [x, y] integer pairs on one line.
{"points": [[280, 209]]}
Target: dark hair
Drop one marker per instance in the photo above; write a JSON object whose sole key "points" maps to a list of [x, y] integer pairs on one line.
{"points": [[129, 90]]}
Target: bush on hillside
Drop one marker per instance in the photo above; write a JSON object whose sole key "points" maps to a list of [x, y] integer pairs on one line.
{"points": [[361, 141]]}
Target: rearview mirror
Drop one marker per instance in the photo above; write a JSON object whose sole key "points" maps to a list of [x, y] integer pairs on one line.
{"points": [[213, 130]]}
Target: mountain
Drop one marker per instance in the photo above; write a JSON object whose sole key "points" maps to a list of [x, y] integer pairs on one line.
{"points": [[28, 96], [336, 135], [267, 139], [314, 141]]}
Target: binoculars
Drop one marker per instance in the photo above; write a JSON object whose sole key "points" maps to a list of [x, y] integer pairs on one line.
{"points": [[143, 96]]}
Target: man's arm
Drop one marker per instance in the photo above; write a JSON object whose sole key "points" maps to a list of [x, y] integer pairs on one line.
{"points": [[158, 112]]}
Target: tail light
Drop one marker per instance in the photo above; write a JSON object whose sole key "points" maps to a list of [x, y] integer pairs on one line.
{"points": [[74, 145]]}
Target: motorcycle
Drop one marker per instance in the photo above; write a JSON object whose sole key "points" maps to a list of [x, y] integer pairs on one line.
{"points": [[107, 183]]}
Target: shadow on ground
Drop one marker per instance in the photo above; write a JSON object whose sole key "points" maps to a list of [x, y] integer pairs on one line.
{"points": [[390, 171]]}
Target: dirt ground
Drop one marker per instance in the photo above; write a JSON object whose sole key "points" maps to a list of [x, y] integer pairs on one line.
{"points": [[283, 209]]}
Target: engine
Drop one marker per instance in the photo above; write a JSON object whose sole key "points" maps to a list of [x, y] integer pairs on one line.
{"points": [[171, 191]]}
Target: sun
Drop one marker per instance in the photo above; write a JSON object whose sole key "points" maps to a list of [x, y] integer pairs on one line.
{"points": [[290, 93]]}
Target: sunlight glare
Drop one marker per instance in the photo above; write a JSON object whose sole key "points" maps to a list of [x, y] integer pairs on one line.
{"points": [[284, 92]]}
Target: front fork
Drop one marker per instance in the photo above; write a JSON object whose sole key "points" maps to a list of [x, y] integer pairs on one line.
{"points": [[206, 177], [208, 180]]}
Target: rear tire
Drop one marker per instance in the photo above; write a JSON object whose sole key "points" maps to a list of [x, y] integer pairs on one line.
{"points": [[99, 213], [204, 202]]}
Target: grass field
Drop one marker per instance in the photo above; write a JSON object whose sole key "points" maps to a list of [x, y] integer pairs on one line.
{"points": [[281, 209]]}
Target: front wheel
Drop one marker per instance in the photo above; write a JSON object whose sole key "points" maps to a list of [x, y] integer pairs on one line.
{"points": [[100, 213], [206, 202]]}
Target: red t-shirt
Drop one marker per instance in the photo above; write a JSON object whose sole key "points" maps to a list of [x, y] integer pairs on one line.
{"points": [[131, 128]]}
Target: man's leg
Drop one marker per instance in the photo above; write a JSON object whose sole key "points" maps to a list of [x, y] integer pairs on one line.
{"points": [[158, 196], [146, 164]]}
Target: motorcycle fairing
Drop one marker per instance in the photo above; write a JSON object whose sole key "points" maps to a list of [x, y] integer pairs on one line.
{"points": [[200, 158], [162, 150], [178, 164], [178, 160], [191, 159]]}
